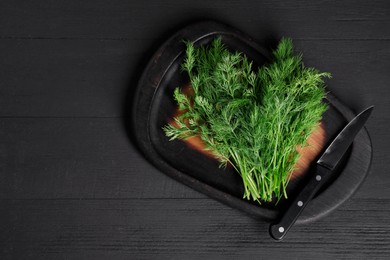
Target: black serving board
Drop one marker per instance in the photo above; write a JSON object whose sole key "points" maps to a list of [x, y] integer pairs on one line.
{"points": [[154, 107]]}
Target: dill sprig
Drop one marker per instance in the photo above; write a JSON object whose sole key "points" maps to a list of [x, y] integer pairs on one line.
{"points": [[253, 120]]}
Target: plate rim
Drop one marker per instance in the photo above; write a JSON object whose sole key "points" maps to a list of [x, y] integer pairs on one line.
{"points": [[147, 86]]}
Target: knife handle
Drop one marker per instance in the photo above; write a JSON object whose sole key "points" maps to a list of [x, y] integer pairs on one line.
{"points": [[279, 229]]}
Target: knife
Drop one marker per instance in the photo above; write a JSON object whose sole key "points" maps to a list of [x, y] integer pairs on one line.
{"points": [[325, 166]]}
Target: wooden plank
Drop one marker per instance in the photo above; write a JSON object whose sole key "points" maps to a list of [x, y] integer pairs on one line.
{"points": [[67, 78], [178, 228], [90, 78], [94, 158], [136, 19], [77, 158]]}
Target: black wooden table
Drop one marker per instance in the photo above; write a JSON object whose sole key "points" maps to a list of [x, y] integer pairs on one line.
{"points": [[72, 184]]}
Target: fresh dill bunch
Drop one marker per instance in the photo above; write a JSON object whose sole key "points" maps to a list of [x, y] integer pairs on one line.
{"points": [[251, 119]]}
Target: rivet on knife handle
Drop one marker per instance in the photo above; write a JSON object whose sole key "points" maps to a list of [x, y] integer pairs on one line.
{"points": [[278, 230]]}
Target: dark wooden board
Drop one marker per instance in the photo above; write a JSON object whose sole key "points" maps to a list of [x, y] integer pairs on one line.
{"points": [[67, 156], [133, 20], [50, 158], [73, 186], [81, 78], [183, 228], [93, 78], [91, 158]]}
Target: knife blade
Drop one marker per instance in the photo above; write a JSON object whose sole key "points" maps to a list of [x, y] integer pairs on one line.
{"points": [[326, 164]]}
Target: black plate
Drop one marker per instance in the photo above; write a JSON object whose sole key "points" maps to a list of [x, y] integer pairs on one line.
{"points": [[154, 106]]}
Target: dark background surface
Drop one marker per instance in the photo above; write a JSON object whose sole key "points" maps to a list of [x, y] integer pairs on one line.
{"points": [[72, 185]]}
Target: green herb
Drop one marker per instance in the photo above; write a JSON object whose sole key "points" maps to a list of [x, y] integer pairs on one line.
{"points": [[251, 119]]}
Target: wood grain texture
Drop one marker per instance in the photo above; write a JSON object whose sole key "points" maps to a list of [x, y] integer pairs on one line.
{"points": [[118, 19], [183, 228], [72, 185], [93, 78], [49, 158]]}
